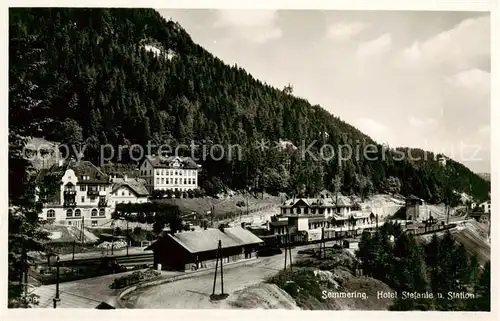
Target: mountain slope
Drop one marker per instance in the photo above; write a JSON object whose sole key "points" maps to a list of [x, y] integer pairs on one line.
{"points": [[128, 76], [485, 176]]}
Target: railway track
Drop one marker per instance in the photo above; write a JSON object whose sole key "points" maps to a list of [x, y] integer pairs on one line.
{"points": [[124, 260]]}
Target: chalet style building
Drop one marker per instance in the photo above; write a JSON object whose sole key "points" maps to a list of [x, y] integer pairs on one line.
{"points": [[312, 217], [86, 195], [128, 190], [169, 173]]}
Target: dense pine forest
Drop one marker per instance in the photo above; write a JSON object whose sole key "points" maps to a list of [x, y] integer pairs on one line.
{"points": [[438, 275], [85, 76]]}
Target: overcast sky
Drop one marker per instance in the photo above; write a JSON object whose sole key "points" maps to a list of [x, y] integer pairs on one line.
{"points": [[418, 79]]}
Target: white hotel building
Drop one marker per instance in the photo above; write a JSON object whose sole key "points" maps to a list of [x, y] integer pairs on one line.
{"points": [[169, 173], [83, 194]]}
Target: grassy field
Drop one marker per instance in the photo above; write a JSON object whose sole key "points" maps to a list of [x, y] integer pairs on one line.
{"points": [[220, 207]]}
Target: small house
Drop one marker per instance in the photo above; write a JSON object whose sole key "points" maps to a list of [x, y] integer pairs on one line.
{"points": [[412, 204], [193, 250]]}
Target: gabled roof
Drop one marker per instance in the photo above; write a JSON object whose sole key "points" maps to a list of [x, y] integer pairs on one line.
{"points": [[137, 185], [208, 240], [340, 201], [279, 223], [344, 201], [82, 170], [164, 161]]}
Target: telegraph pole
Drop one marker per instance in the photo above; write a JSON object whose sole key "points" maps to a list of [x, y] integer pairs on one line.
{"points": [[289, 248], [286, 250], [219, 257], [82, 233], [322, 245], [56, 299]]}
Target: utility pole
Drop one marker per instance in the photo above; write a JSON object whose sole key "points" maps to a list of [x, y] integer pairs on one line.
{"points": [[288, 249], [82, 233], [219, 257], [56, 299], [322, 245], [127, 237]]}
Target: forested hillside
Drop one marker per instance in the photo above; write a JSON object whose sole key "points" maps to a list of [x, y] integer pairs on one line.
{"points": [[86, 76]]}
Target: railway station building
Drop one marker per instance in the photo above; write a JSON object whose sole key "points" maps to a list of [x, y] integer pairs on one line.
{"points": [[310, 219], [193, 250]]}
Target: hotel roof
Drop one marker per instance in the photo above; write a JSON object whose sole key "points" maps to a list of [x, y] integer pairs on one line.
{"points": [[137, 185], [165, 161], [208, 240]]}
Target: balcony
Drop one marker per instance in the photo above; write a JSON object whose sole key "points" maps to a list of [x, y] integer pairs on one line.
{"points": [[92, 193], [102, 203], [70, 203], [69, 192]]}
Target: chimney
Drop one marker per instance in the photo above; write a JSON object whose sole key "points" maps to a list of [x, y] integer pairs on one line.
{"points": [[125, 177]]}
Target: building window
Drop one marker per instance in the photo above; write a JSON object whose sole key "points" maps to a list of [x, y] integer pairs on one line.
{"points": [[83, 188], [176, 181], [298, 210], [162, 172], [157, 172], [102, 212], [69, 213], [313, 211], [123, 193], [78, 212], [129, 194], [94, 223], [162, 180], [306, 210], [69, 223], [51, 213], [83, 199], [157, 181], [150, 172], [184, 181], [94, 212]]}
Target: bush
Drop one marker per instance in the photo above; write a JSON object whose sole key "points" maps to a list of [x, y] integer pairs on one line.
{"points": [[134, 278], [158, 194], [240, 203], [301, 283]]}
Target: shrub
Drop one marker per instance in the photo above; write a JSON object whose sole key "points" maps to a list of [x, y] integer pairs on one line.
{"points": [[134, 278]]}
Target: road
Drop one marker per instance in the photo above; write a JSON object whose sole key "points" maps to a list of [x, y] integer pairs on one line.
{"points": [[193, 293]]}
